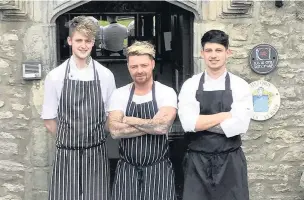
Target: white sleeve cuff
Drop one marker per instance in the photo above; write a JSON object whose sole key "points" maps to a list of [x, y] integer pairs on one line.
{"points": [[228, 129], [188, 122], [44, 116], [235, 126]]}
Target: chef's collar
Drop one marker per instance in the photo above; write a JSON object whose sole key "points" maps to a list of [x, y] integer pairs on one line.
{"points": [[222, 77]]}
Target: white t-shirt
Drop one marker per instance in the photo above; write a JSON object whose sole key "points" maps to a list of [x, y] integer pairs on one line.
{"points": [[165, 96], [54, 82]]}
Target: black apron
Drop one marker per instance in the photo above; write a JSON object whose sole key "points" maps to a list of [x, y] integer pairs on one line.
{"points": [[215, 166], [81, 170], [144, 171]]}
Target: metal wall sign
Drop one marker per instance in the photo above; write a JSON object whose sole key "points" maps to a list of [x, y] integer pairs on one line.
{"points": [[263, 59], [266, 100]]}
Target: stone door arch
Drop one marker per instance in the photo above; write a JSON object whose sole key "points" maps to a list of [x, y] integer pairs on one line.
{"points": [[60, 7]]}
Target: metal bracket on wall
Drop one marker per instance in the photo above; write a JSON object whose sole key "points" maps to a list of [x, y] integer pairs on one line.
{"points": [[31, 70]]}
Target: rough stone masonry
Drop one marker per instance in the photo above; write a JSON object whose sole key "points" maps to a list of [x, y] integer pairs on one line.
{"points": [[274, 148]]}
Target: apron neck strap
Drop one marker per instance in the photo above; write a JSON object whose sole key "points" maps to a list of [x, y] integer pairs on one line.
{"points": [[96, 77], [202, 81], [153, 94], [227, 82], [67, 69]]}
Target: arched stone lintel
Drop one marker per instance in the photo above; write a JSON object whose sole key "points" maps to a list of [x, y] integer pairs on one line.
{"points": [[65, 7], [195, 10], [70, 5]]}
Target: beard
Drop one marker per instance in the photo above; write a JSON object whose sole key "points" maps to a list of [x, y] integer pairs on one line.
{"points": [[142, 79]]}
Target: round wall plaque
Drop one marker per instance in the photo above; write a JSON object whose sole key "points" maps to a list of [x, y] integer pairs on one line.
{"points": [[263, 59], [266, 100]]}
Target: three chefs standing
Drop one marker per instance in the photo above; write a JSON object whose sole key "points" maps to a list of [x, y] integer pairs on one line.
{"points": [[214, 108]]}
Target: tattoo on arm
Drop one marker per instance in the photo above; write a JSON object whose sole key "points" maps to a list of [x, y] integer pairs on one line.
{"points": [[160, 124], [118, 129]]}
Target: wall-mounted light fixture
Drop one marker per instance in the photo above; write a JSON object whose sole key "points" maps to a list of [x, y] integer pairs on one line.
{"points": [[279, 3]]}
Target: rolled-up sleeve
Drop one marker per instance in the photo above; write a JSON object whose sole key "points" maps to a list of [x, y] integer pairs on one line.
{"points": [[241, 111], [50, 102], [188, 106]]}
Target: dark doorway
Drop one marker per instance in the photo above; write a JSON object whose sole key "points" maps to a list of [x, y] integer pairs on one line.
{"points": [[168, 27]]}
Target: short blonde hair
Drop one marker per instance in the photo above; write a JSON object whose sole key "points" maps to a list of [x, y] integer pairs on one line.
{"points": [[139, 48], [84, 25]]}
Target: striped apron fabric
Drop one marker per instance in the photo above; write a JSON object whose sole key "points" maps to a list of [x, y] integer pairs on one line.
{"points": [[81, 170], [144, 171]]}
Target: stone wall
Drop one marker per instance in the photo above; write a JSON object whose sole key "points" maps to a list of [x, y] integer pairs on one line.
{"points": [[274, 148], [24, 148]]}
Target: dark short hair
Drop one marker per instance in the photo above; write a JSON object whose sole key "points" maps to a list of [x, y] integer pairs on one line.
{"points": [[215, 36]]}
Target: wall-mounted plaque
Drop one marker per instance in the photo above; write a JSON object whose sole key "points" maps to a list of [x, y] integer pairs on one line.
{"points": [[263, 59], [266, 100]]}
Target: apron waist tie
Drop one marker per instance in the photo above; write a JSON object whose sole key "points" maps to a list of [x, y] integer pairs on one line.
{"points": [[80, 171], [139, 168], [211, 170], [80, 148], [212, 154]]}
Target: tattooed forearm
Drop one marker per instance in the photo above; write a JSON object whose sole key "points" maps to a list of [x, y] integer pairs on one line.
{"points": [[121, 130], [216, 129], [160, 124], [152, 126], [118, 129]]}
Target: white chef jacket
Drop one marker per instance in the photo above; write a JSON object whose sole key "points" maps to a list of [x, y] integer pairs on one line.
{"points": [[241, 108], [54, 82]]}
